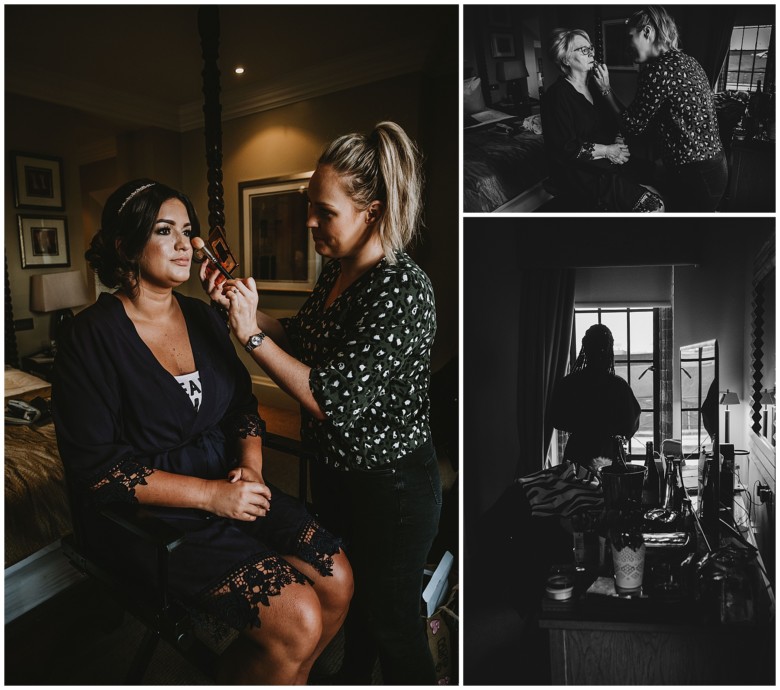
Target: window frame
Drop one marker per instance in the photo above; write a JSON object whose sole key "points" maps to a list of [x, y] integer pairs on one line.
{"points": [[654, 362], [723, 78]]}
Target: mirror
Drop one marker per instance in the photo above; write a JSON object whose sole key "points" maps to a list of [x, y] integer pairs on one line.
{"points": [[698, 396], [699, 409]]}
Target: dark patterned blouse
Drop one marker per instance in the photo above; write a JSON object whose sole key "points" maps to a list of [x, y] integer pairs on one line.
{"points": [[674, 93], [370, 358]]}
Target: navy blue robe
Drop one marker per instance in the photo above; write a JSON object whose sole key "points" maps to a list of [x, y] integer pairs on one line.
{"points": [[120, 415]]}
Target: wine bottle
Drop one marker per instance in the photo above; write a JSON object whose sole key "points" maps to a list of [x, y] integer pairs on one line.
{"points": [[679, 489], [688, 524], [668, 484], [709, 500], [651, 488], [619, 453]]}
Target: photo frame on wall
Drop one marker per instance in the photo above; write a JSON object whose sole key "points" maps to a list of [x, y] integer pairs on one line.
{"points": [[43, 241], [617, 54], [277, 248], [502, 45], [37, 182]]}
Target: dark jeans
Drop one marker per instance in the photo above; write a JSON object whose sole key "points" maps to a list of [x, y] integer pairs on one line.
{"points": [[388, 519], [698, 187]]}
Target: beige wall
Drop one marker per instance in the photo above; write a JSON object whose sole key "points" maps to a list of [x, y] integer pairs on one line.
{"points": [[289, 140], [36, 128], [97, 157]]}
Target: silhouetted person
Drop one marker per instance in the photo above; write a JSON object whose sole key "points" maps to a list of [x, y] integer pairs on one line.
{"points": [[592, 403]]}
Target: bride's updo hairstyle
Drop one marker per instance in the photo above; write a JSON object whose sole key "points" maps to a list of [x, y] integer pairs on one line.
{"points": [[382, 166], [126, 225]]}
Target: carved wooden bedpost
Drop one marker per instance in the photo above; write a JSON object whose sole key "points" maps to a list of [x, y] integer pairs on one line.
{"points": [[598, 39], [208, 27]]}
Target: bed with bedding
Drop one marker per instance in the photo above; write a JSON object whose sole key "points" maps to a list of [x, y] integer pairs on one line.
{"points": [[36, 504], [504, 162]]}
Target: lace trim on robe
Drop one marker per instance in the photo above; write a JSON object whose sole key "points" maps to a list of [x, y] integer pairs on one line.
{"points": [[648, 203], [118, 484], [317, 547], [235, 600], [246, 425], [586, 151]]}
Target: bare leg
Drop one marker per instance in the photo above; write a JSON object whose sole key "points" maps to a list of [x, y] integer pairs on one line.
{"points": [[334, 593], [279, 650]]}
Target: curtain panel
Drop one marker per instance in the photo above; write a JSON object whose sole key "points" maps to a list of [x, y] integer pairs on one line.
{"points": [[546, 317]]}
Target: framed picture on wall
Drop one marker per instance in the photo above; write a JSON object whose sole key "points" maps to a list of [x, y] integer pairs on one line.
{"points": [[502, 45], [617, 54], [37, 182], [43, 241], [277, 248]]}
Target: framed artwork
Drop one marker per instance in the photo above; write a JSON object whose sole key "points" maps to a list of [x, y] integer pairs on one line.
{"points": [[43, 242], [276, 246], [37, 182], [502, 45], [617, 54]]}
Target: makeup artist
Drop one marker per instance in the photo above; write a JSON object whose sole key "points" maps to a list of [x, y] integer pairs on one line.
{"points": [[593, 403], [357, 359], [674, 96], [152, 405]]}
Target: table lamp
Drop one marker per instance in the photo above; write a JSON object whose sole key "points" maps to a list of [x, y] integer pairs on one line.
{"points": [[728, 398], [58, 293], [511, 72], [767, 400]]}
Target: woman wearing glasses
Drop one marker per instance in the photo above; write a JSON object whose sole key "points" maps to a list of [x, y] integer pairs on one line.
{"points": [[589, 160], [674, 96]]}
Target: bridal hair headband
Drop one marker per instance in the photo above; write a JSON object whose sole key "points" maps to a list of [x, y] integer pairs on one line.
{"points": [[135, 192]]}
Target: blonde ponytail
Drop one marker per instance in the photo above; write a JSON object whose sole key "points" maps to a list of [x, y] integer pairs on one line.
{"points": [[384, 166]]}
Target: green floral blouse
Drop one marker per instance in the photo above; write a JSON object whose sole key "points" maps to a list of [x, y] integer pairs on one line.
{"points": [[370, 358]]}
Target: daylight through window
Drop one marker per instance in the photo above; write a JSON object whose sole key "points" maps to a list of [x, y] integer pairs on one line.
{"points": [[747, 58]]}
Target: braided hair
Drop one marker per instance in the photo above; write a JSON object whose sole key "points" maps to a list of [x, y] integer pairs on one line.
{"points": [[597, 351]]}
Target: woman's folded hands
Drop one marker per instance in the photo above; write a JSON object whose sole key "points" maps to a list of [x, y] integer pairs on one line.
{"points": [[617, 153], [238, 497]]}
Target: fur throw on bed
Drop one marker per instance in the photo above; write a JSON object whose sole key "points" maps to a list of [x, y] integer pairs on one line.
{"points": [[533, 124]]}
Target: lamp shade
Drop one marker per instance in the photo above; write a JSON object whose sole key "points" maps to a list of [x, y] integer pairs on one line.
{"points": [[53, 291], [509, 70], [729, 398], [768, 397]]}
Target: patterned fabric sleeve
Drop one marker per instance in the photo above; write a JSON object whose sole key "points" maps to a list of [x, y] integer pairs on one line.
{"points": [[651, 94], [398, 316]]}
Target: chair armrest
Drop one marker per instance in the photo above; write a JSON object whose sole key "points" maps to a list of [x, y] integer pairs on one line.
{"points": [[283, 444], [140, 522]]}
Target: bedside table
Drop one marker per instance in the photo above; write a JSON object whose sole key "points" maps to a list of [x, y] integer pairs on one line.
{"points": [[41, 364]]}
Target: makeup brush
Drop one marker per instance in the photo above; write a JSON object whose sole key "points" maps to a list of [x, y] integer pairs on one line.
{"points": [[199, 245]]}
